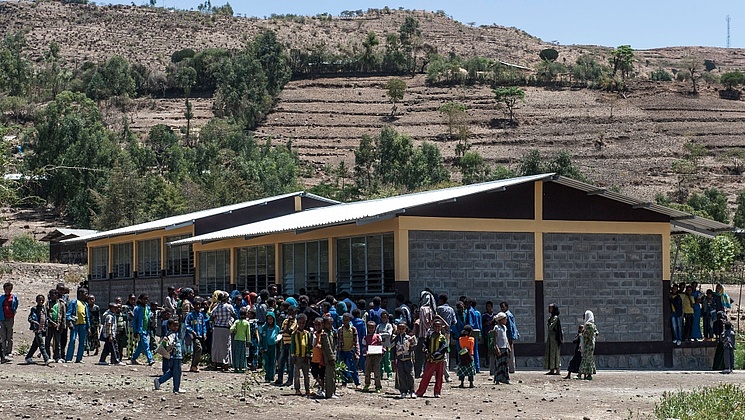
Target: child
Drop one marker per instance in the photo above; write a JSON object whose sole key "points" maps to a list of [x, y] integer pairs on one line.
{"points": [[709, 313], [253, 344], [173, 343], [465, 365], [301, 347], [385, 329], [317, 367], [241, 331], [38, 320], [268, 342], [328, 347], [348, 349], [436, 348], [108, 336], [95, 314], [502, 373], [404, 345], [577, 359], [288, 325], [372, 351], [728, 343], [196, 328]]}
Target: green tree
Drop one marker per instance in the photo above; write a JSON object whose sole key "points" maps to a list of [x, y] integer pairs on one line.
{"points": [[72, 152], [712, 202], [548, 54], [425, 168], [185, 78], [739, 218], [732, 79], [365, 158], [531, 163], [120, 202], [508, 97], [622, 60], [473, 168], [454, 114], [661, 75], [395, 88], [694, 66], [586, 68], [117, 77], [15, 71], [369, 60]]}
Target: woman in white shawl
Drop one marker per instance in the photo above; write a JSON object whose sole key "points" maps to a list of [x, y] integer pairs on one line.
{"points": [[425, 318], [587, 367]]}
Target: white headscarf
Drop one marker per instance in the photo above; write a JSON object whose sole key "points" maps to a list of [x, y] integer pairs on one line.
{"points": [[589, 316], [427, 299]]}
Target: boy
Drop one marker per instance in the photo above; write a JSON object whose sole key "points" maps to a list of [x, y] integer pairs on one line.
{"points": [[288, 327], [95, 311], [241, 331], [404, 345], [196, 327], [300, 349], [38, 320], [348, 347], [436, 348], [174, 367], [372, 348], [317, 368], [108, 336], [141, 320], [329, 346], [385, 329], [78, 321]]}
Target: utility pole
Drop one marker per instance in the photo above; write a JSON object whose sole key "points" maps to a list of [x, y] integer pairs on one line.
{"points": [[727, 31]]}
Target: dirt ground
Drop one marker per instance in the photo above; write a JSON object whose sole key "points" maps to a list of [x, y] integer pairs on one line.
{"points": [[77, 391]]}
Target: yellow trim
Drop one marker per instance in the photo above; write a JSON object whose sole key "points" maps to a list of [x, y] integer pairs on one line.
{"points": [[277, 265], [666, 257], [401, 248], [538, 258], [298, 203], [545, 226]]}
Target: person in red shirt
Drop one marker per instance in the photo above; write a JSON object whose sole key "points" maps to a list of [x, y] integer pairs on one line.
{"points": [[9, 305]]}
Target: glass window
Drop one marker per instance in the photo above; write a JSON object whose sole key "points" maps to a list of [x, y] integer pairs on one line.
{"points": [[122, 265], [255, 267], [179, 258], [305, 265], [214, 271], [100, 263], [148, 258], [365, 264]]}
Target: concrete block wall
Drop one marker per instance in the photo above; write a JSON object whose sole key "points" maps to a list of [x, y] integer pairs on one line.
{"points": [[616, 361], [482, 265], [618, 277]]}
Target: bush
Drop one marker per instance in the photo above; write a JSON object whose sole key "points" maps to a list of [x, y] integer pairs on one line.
{"points": [[661, 75], [26, 249], [718, 402]]}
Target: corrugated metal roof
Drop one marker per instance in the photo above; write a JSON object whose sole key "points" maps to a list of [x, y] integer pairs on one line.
{"points": [[680, 221], [380, 209], [360, 212], [188, 219], [65, 233]]}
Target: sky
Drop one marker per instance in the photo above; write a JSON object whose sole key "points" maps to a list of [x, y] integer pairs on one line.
{"points": [[641, 24]]}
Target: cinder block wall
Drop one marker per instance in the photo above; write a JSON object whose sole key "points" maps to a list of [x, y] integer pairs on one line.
{"points": [[618, 277], [482, 265]]}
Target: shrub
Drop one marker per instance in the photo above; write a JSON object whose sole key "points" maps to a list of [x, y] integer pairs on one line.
{"points": [[718, 402], [661, 75], [26, 249]]}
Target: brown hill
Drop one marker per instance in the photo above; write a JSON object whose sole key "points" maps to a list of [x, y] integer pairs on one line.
{"points": [[628, 142]]}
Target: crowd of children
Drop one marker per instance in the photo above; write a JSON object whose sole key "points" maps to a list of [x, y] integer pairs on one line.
{"points": [[285, 336]]}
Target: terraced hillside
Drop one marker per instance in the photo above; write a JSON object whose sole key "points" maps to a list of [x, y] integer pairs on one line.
{"points": [[629, 143]]}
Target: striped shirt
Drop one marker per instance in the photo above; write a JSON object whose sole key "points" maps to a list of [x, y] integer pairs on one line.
{"points": [[223, 315]]}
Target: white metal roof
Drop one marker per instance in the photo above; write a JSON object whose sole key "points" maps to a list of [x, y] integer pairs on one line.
{"points": [[360, 212], [363, 212], [188, 219]]}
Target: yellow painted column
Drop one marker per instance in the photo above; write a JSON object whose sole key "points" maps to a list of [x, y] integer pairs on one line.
{"points": [[163, 253], [231, 265], [278, 265], [135, 257], [666, 257], [298, 203], [332, 260], [401, 244], [538, 232]]}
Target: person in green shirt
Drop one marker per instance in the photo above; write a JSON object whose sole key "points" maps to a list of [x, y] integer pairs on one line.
{"points": [[241, 331]]}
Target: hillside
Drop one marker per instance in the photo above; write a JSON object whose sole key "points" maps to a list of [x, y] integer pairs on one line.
{"points": [[626, 142]]}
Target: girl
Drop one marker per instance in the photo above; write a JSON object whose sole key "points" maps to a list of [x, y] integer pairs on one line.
{"points": [[268, 342], [554, 338], [465, 365], [385, 330], [241, 331], [502, 373], [587, 367], [404, 345], [577, 359]]}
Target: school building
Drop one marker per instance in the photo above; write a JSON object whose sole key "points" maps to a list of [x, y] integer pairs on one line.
{"points": [[529, 241]]}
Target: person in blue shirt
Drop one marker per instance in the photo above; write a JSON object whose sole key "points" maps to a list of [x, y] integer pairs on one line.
{"points": [[359, 324], [512, 334], [374, 313], [175, 359], [196, 328], [140, 327], [78, 321], [474, 320]]}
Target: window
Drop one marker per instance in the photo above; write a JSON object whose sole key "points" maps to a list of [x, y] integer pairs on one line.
{"points": [[148, 258], [121, 267], [365, 264], [179, 258], [305, 265], [255, 267], [214, 271], [100, 263]]}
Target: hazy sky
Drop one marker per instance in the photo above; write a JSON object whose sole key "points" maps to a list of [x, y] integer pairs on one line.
{"points": [[642, 24]]}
